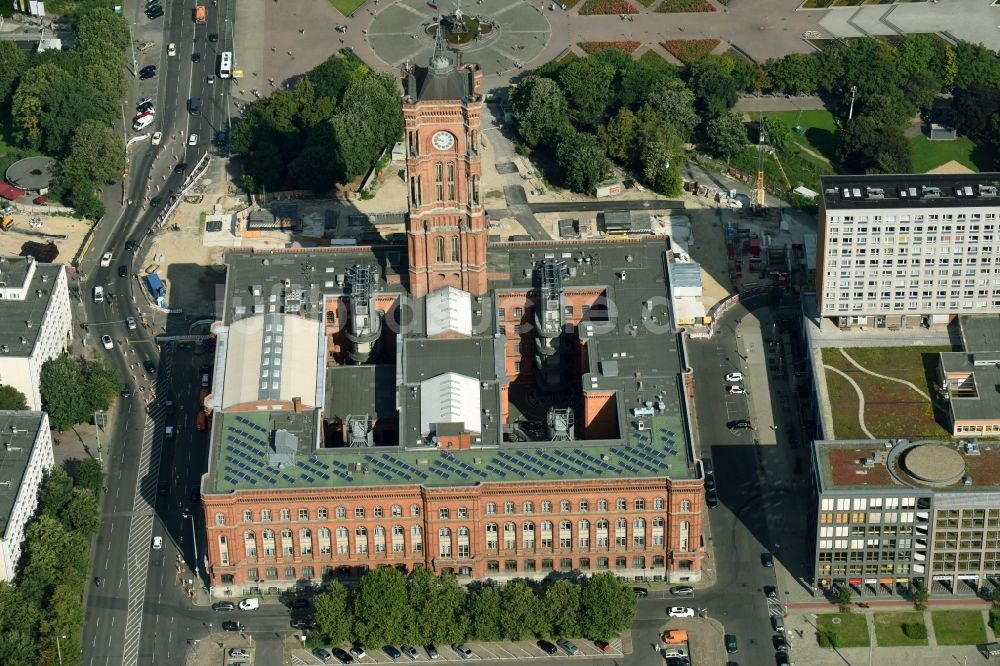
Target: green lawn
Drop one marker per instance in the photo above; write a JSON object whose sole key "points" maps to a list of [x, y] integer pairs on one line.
{"points": [[844, 407], [929, 154], [653, 59], [820, 133], [346, 7], [959, 627], [851, 630], [889, 628]]}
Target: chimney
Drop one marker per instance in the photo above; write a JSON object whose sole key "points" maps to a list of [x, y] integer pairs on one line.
{"points": [[297, 405]]}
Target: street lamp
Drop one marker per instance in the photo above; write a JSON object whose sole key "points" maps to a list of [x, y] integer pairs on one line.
{"points": [[850, 113], [59, 648], [194, 539]]}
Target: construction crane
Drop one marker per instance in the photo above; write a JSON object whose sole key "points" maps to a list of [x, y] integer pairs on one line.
{"points": [[758, 204]]}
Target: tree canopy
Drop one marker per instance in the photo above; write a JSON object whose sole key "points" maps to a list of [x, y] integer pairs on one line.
{"points": [[73, 389], [11, 398]]}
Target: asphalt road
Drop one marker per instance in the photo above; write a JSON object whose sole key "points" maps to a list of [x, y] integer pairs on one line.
{"points": [[140, 609], [738, 526]]}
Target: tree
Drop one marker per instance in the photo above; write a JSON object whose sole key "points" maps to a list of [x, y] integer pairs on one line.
{"points": [[437, 608], [637, 77], [561, 608], [103, 383], [13, 61], [920, 88], [484, 612], [521, 616], [869, 64], [674, 104], [975, 65], [920, 597], [82, 513], [332, 614], [618, 136], [50, 550], [726, 135], [538, 107], [55, 494], [72, 390], [381, 612], [89, 475], [102, 27], [31, 100], [713, 87], [661, 167], [587, 85], [10, 397], [972, 109], [607, 606], [844, 598], [795, 73], [96, 153], [582, 161], [776, 132], [334, 75], [870, 147], [914, 54]]}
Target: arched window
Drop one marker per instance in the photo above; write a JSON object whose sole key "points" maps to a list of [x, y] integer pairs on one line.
{"points": [[491, 508], [528, 535], [565, 534], [685, 505], [639, 532], [658, 503], [583, 533], [451, 181], [250, 543], [415, 510], [444, 541], [397, 511], [305, 541], [454, 249], [286, 542], [528, 507], [509, 536], [621, 504], [438, 178], [546, 534], [361, 539], [440, 247]]}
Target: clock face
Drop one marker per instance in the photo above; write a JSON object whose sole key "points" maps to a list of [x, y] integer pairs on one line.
{"points": [[443, 140]]}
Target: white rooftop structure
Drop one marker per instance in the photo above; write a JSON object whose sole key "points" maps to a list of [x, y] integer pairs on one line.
{"points": [[450, 398], [449, 310], [271, 358]]}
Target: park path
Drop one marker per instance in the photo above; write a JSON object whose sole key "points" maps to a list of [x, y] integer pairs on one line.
{"points": [[886, 377], [861, 401]]}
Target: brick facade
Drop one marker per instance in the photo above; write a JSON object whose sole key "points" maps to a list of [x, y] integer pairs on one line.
{"points": [[496, 530]]}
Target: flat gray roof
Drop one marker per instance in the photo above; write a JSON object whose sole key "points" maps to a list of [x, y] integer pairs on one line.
{"points": [[15, 331], [911, 191], [980, 333], [15, 452], [985, 370], [361, 389]]}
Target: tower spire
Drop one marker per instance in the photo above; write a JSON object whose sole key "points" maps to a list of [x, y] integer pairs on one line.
{"points": [[440, 61]]}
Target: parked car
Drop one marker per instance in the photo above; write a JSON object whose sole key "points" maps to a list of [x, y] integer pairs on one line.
{"points": [[682, 591], [767, 560], [770, 591], [603, 646], [304, 624], [711, 498], [737, 390], [734, 377], [323, 655], [300, 604], [157, 542], [239, 652], [195, 57], [122, 271], [569, 647], [143, 102], [462, 649], [778, 623], [781, 659], [640, 591], [707, 465], [358, 651], [709, 482], [547, 647], [680, 611], [107, 342], [392, 652], [731, 645], [343, 656], [780, 644], [230, 625], [130, 323], [157, 138], [253, 603], [223, 606], [432, 652], [130, 245], [739, 424], [149, 366], [409, 651]]}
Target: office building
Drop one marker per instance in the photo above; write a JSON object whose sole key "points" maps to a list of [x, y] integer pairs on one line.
{"points": [[903, 251]]}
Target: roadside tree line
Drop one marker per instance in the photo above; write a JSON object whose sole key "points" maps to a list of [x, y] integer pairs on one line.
{"points": [[388, 608], [73, 389], [46, 599], [574, 117], [65, 104]]}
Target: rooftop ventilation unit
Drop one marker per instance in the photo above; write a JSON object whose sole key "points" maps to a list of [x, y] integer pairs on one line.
{"points": [[987, 190], [930, 192], [875, 193]]}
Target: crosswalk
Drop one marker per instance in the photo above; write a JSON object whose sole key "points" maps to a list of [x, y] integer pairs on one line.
{"points": [[141, 527]]}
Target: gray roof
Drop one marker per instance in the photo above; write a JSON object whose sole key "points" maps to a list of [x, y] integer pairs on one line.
{"points": [[984, 402], [21, 320], [685, 274], [911, 191], [15, 452], [980, 332], [639, 344], [449, 86]]}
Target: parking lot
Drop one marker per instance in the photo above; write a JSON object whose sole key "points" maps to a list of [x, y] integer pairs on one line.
{"points": [[500, 651]]}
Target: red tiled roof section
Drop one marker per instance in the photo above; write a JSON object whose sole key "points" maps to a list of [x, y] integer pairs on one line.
{"points": [[8, 191], [846, 468]]}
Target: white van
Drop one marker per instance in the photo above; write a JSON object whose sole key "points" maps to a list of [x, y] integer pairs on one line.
{"points": [[253, 603], [143, 120], [168, 432], [98, 294]]}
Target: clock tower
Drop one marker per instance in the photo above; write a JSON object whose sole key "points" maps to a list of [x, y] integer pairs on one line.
{"points": [[446, 229]]}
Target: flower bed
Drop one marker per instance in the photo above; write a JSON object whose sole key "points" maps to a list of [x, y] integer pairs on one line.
{"points": [[594, 47], [591, 7], [678, 6], [689, 50]]}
